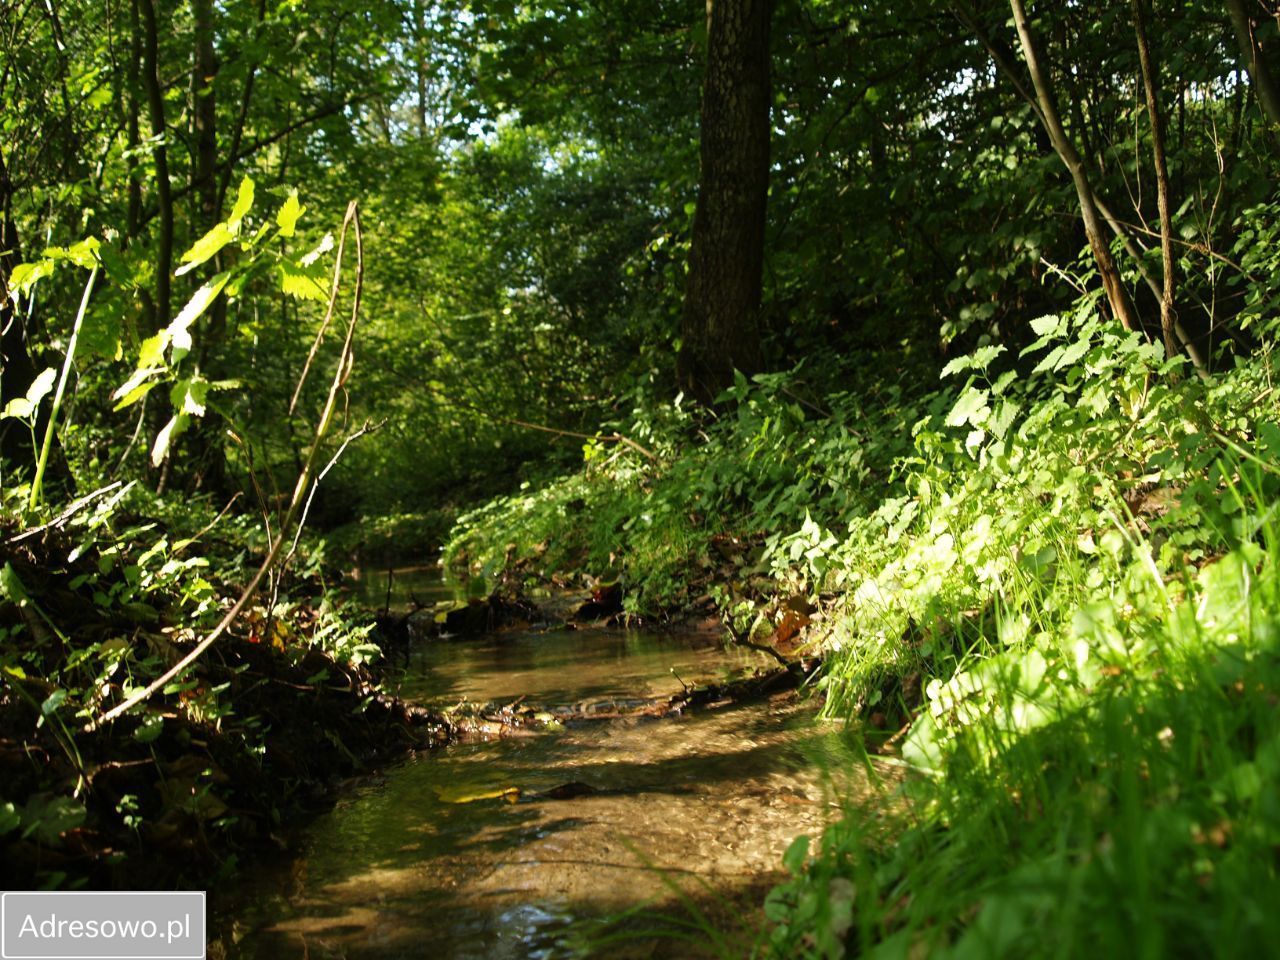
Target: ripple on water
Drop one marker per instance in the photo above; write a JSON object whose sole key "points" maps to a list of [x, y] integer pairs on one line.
{"points": [[427, 860]]}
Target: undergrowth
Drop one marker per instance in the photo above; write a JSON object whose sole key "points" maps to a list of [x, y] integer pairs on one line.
{"points": [[1050, 579]]}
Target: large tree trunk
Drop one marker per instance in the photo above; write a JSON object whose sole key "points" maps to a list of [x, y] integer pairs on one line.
{"points": [[1264, 84], [1117, 296], [719, 328]]}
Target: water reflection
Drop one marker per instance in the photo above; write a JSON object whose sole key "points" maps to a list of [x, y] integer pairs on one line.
{"points": [[426, 860]]}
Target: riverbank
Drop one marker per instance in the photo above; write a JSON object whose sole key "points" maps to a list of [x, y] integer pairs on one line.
{"points": [[206, 773], [1047, 587]]}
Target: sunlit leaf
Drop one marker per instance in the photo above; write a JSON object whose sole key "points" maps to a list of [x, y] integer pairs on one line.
{"points": [[164, 439], [179, 331], [970, 408], [27, 275], [321, 248], [287, 218], [127, 392], [18, 408], [1047, 326], [206, 247], [188, 396], [41, 386], [244, 200], [299, 283], [136, 392]]}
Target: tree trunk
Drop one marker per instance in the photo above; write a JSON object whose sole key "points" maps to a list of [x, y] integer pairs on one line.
{"points": [[719, 328], [159, 130], [1002, 57], [1251, 53], [1151, 86], [204, 115], [1117, 296]]}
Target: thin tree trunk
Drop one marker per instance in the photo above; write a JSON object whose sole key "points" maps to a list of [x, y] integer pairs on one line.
{"points": [[1151, 86], [1002, 57], [237, 133], [719, 327], [159, 130], [133, 216], [1117, 296], [204, 115], [1264, 85]]}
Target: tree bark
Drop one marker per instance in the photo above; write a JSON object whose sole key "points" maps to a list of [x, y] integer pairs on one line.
{"points": [[1117, 296], [159, 130], [720, 324], [204, 115], [1151, 87], [1251, 53]]}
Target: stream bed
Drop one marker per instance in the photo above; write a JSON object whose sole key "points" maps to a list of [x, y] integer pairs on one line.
{"points": [[468, 852]]}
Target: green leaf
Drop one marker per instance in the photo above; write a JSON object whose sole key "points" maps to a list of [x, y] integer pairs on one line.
{"points": [[244, 200], [82, 254], [1047, 326], [188, 396], [796, 854], [168, 433], [53, 702], [321, 248], [299, 283], [41, 386], [27, 275], [206, 247], [9, 818], [135, 391], [179, 330], [1071, 353], [136, 387], [11, 586], [982, 357], [49, 817], [970, 408], [19, 408], [287, 218], [151, 727]]}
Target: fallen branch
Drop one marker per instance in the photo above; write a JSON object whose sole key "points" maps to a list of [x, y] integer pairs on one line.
{"points": [[75, 507]]}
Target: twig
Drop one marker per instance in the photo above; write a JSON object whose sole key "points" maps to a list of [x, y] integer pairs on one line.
{"points": [[75, 507], [609, 438], [210, 525], [324, 324]]}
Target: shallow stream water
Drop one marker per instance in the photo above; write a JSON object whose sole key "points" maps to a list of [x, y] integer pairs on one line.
{"points": [[429, 858]]}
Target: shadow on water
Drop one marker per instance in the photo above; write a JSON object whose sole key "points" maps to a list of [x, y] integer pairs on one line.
{"points": [[427, 859]]}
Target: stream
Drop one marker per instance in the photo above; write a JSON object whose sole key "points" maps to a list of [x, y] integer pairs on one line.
{"points": [[467, 852]]}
